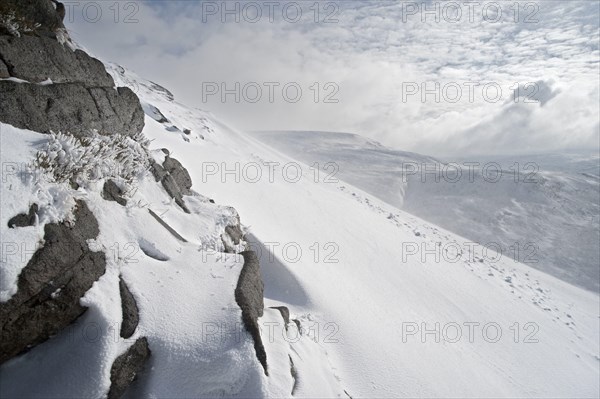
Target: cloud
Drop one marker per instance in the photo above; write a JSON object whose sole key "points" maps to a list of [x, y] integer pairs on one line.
{"points": [[368, 57]]}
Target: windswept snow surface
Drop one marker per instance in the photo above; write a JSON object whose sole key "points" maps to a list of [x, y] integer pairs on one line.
{"points": [[542, 210], [397, 306], [183, 302]]}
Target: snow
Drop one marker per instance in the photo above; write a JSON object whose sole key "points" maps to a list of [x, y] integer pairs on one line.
{"points": [[46, 82], [177, 299], [20, 190], [355, 290], [199, 346], [372, 293], [557, 194], [290, 348]]}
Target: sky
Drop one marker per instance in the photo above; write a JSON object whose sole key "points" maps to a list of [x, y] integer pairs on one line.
{"points": [[437, 78]]}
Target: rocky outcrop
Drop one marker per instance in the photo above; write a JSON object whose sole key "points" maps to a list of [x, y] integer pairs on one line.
{"points": [[38, 16], [36, 59], [24, 219], [70, 108], [180, 175], [249, 297], [50, 286], [112, 192], [175, 179], [64, 90], [127, 366], [131, 316]]}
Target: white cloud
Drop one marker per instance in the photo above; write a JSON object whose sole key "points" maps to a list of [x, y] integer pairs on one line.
{"points": [[369, 54]]}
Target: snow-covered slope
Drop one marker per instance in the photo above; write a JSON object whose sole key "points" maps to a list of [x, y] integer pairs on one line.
{"points": [[542, 210], [362, 278], [382, 303], [177, 293]]}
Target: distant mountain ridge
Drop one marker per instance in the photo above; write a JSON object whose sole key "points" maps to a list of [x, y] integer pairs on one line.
{"points": [[543, 210]]}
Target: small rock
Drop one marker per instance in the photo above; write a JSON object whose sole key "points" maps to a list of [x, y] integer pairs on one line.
{"points": [[24, 220], [112, 192], [175, 179], [179, 173], [129, 307], [285, 313], [127, 366], [297, 322], [236, 235]]}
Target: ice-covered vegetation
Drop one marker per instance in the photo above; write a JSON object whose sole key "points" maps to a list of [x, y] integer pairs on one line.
{"points": [[85, 160]]}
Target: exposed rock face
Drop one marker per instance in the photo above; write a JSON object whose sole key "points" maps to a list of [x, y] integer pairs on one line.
{"points": [[24, 220], [112, 192], [81, 96], [129, 307], [70, 107], [50, 286], [32, 13], [249, 297], [175, 179], [27, 58], [127, 366]]}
